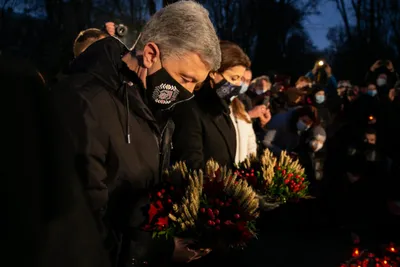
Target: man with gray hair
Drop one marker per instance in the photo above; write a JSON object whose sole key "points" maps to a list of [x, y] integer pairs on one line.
{"points": [[114, 107]]}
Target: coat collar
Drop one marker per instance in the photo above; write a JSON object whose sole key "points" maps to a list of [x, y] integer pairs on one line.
{"points": [[218, 112]]}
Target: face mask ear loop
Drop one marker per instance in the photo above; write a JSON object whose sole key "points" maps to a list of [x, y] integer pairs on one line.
{"points": [[160, 57]]}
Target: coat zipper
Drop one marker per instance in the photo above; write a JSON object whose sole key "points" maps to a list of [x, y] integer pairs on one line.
{"points": [[160, 148]]}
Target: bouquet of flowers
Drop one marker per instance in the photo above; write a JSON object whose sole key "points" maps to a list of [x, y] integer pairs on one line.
{"points": [[277, 180], [212, 206]]}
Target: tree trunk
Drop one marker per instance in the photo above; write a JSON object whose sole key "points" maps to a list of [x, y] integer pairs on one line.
{"points": [[341, 6], [152, 7], [357, 11], [372, 20]]}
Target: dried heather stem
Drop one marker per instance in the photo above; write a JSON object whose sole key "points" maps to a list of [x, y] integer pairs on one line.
{"points": [[172, 217], [244, 194], [253, 207]]}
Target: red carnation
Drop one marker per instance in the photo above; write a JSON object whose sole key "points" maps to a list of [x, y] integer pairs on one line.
{"points": [[152, 212], [162, 221]]}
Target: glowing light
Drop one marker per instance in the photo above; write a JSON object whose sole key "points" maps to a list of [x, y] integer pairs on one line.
{"points": [[356, 252], [320, 63]]}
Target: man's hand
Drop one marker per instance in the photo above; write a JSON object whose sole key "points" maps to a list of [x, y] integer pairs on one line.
{"points": [[110, 28], [376, 65], [182, 252], [392, 94], [257, 111], [265, 117], [389, 66], [328, 70]]}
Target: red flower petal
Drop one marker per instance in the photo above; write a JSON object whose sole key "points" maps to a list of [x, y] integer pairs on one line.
{"points": [[162, 221], [152, 212]]}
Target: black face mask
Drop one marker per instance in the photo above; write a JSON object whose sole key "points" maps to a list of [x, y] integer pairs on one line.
{"points": [[227, 91], [163, 92]]}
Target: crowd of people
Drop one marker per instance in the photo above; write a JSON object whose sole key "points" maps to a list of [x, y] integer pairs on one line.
{"points": [[100, 136]]}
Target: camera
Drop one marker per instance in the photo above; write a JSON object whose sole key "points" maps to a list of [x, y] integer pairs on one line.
{"points": [[384, 62], [128, 36], [321, 63], [121, 30]]}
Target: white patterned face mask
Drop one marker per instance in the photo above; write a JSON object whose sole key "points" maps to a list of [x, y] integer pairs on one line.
{"points": [[226, 90], [164, 91]]}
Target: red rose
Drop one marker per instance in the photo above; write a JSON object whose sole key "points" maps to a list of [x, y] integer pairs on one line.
{"points": [[159, 204], [162, 221], [152, 212]]}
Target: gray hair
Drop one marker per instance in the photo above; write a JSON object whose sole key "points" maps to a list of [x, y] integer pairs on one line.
{"points": [[256, 81], [260, 78], [180, 28]]}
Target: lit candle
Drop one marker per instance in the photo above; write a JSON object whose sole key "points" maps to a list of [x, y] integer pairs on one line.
{"points": [[356, 252]]}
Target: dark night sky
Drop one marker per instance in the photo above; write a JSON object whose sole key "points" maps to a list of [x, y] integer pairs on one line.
{"points": [[318, 25]]}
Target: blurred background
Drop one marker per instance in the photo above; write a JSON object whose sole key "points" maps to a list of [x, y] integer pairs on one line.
{"points": [[281, 36]]}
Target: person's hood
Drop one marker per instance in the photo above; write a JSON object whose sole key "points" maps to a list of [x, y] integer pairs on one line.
{"points": [[102, 60], [316, 88]]}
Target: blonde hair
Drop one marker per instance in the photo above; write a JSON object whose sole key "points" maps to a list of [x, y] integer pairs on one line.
{"points": [[303, 79], [86, 38], [239, 111]]}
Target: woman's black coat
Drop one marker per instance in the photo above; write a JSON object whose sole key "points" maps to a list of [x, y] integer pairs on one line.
{"points": [[204, 130]]}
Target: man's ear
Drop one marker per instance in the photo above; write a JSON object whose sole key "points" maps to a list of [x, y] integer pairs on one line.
{"points": [[212, 74], [151, 54]]}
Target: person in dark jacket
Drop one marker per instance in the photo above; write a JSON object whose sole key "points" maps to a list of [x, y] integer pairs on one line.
{"points": [[33, 183], [204, 129], [383, 74], [311, 155], [288, 130], [121, 131], [320, 102]]}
